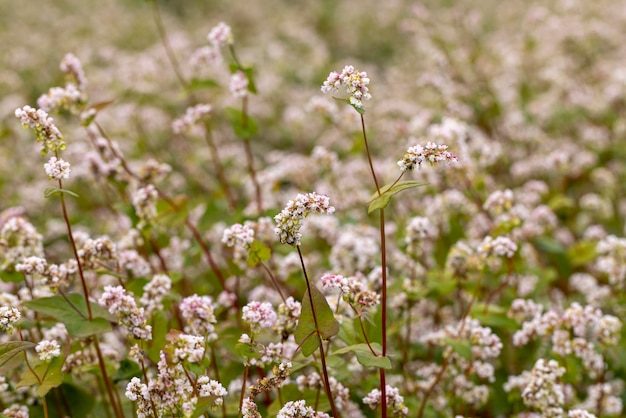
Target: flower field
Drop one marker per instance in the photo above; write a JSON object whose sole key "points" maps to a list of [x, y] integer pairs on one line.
{"points": [[312, 209]]}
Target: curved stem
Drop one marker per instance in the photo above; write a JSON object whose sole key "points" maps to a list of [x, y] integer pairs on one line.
{"points": [[243, 386], [156, 12], [329, 394]]}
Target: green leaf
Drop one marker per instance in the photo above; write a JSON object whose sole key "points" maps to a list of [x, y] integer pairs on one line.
{"points": [[582, 253], [305, 331], [380, 202], [55, 191], [128, 369], [249, 72], [462, 348], [77, 325], [11, 349], [48, 376], [197, 84], [243, 127], [12, 277], [247, 351], [257, 253], [365, 356], [79, 401]]}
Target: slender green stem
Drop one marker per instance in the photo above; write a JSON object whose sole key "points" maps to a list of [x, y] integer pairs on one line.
{"points": [[43, 398], [329, 394], [156, 12]]}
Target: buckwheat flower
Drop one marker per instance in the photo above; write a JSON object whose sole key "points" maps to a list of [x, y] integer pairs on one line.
{"points": [[288, 316], [57, 169], [8, 316], [499, 247], [259, 315], [499, 201], [153, 171], [544, 390], [205, 56], [354, 81], [16, 411], [187, 348], [68, 97], [47, 350], [208, 388], [144, 201], [239, 237], [239, 84], [580, 413], [71, 66], [199, 316], [249, 409], [121, 304], [96, 252], [608, 329], [289, 221], [394, 400], [32, 265], [45, 129], [431, 153], [299, 409], [221, 35], [154, 292], [193, 115]]}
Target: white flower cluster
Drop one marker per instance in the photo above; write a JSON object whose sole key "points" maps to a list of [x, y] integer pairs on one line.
{"points": [[16, 411], [394, 400], [259, 315], [211, 388], [154, 291], [123, 306], [575, 331], [48, 349], [544, 390], [44, 127], [193, 115], [498, 202], [354, 289], [353, 80], [8, 316], [239, 237], [57, 169], [187, 348], [299, 409], [289, 221], [606, 396], [499, 247], [60, 97], [72, 66], [431, 153], [288, 314], [612, 259], [171, 392], [144, 201], [249, 409]]}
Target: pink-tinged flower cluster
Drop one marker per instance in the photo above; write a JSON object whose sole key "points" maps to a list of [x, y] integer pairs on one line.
{"points": [[123, 306], [67, 97], [221, 35], [186, 348], [193, 115], [354, 290], [430, 153], [57, 169], [208, 388], [199, 316], [239, 84], [259, 315], [290, 219], [288, 316], [154, 291], [72, 66], [43, 125], [499, 247], [353, 80]]}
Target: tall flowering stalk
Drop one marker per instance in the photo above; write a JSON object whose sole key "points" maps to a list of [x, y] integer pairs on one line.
{"points": [[356, 87], [57, 170], [288, 224]]}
